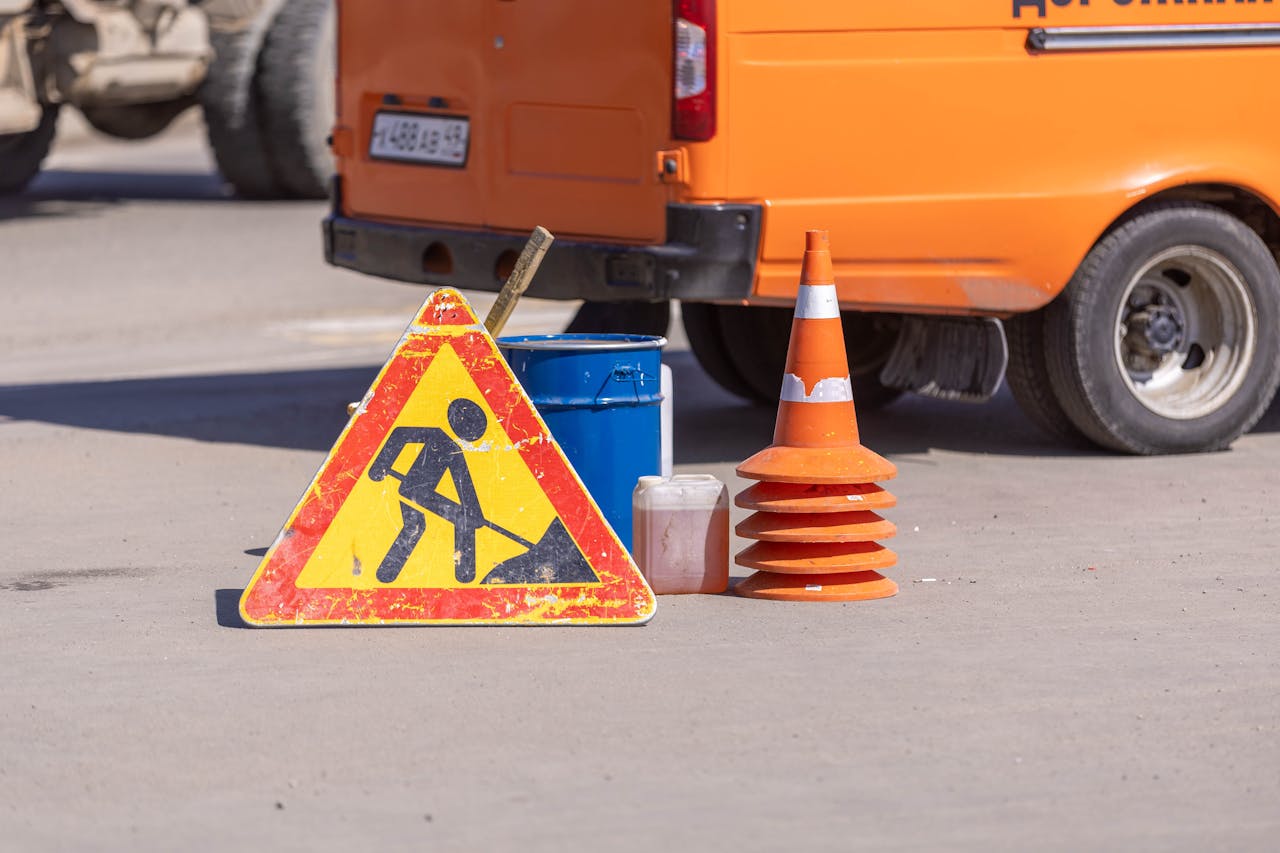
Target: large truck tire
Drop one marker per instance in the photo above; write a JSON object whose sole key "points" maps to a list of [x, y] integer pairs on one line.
{"points": [[744, 349], [1165, 340], [232, 113], [22, 153], [296, 87]]}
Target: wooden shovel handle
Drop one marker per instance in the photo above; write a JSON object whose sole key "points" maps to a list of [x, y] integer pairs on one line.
{"points": [[518, 282]]}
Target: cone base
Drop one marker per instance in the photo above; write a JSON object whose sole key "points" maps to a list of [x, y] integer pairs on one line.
{"points": [[818, 465], [853, 586]]}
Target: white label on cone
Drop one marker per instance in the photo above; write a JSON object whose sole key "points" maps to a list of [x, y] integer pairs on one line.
{"points": [[835, 389], [817, 302]]}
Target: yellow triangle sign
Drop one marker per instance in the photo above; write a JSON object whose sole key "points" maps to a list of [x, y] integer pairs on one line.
{"points": [[446, 501]]}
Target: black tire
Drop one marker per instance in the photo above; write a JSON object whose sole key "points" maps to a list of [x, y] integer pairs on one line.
{"points": [[751, 352], [1165, 340], [232, 113], [702, 327], [1028, 378], [22, 153], [296, 88], [621, 318], [756, 340], [135, 121], [868, 341]]}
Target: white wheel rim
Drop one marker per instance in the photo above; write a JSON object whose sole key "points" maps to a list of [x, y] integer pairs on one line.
{"points": [[1186, 331]]}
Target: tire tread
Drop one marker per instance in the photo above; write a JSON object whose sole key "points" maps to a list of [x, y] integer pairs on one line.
{"points": [[287, 85], [232, 112], [1028, 378]]}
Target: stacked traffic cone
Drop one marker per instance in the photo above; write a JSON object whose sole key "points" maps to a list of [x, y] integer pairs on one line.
{"points": [[814, 506]]}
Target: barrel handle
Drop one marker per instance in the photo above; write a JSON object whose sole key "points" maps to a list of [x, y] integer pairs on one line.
{"points": [[630, 373], [625, 373]]}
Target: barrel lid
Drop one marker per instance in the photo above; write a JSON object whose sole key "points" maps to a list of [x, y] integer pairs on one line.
{"points": [[592, 342]]}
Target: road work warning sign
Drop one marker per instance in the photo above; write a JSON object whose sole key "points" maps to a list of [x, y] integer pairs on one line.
{"points": [[446, 501]]}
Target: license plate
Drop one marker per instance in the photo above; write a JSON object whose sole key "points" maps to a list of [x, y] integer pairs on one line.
{"points": [[417, 138]]}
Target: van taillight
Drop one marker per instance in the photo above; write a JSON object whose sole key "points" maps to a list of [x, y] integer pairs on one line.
{"points": [[693, 114]]}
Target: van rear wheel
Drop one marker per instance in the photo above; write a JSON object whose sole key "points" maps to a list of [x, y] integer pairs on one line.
{"points": [[756, 341], [1165, 340], [702, 327], [621, 318], [744, 349]]}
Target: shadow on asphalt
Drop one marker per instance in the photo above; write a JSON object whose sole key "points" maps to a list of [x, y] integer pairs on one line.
{"points": [[300, 409], [306, 410], [59, 192], [226, 604], [80, 185], [728, 429]]}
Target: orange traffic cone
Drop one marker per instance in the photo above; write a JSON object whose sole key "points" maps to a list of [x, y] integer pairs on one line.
{"points": [[814, 518]]}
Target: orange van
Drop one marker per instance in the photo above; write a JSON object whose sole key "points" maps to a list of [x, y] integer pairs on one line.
{"points": [[1103, 176]]}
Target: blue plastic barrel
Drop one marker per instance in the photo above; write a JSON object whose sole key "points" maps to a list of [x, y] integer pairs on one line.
{"points": [[601, 398]]}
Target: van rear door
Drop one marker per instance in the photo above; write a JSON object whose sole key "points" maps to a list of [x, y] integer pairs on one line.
{"points": [[505, 114]]}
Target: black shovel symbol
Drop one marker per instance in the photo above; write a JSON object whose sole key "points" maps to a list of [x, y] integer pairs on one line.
{"points": [[553, 559], [484, 522]]}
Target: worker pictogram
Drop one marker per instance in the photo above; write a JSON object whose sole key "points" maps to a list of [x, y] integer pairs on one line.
{"points": [[420, 494], [446, 500]]}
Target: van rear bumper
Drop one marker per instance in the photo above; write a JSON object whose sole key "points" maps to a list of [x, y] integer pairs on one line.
{"points": [[710, 254]]}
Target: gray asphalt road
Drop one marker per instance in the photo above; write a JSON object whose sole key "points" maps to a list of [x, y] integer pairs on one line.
{"points": [[1082, 654]]}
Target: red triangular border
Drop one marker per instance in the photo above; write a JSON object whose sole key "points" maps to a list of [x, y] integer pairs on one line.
{"points": [[273, 599]]}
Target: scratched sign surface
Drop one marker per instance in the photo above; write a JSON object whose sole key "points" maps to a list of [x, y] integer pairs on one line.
{"points": [[446, 501]]}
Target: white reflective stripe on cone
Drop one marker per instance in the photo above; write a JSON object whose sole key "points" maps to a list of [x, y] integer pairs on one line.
{"points": [[834, 389], [817, 302]]}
